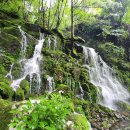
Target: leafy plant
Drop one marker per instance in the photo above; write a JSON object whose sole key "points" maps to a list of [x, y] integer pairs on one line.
{"points": [[47, 113]]}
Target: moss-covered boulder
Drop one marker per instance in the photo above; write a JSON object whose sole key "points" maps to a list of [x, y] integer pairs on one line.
{"points": [[16, 70], [19, 94], [79, 122], [5, 62], [25, 86], [10, 44], [6, 92]]}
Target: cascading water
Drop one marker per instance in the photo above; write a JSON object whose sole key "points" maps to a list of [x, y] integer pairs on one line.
{"points": [[69, 81], [55, 42], [23, 42], [50, 84], [52, 45], [9, 75], [49, 42], [102, 76], [79, 91], [30, 67]]}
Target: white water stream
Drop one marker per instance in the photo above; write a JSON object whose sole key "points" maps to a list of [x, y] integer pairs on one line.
{"points": [[102, 76], [50, 84], [30, 66], [9, 75]]}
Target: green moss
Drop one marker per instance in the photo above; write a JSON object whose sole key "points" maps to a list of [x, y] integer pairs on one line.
{"points": [[104, 124], [25, 86], [5, 116], [123, 106], [112, 50], [76, 73], [10, 44], [19, 94], [6, 92], [66, 90], [80, 122], [16, 70], [5, 62]]}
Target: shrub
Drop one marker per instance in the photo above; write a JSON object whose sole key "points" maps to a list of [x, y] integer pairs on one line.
{"points": [[19, 95], [5, 116], [25, 86], [47, 113], [6, 92]]}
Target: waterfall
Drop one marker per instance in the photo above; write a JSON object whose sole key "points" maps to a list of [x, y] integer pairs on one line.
{"points": [[49, 42], [50, 84], [102, 76], [30, 66], [52, 45], [69, 81], [9, 75], [23, 42], [79, 92], [55, 42]]}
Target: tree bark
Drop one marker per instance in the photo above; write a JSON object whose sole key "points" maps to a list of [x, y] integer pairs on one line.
{"points": [[72, 21]]}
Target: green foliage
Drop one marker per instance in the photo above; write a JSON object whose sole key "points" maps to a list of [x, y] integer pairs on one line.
{"points": [[6, 92], [12, 8], [104, 124], [5, 116], [113, 50], [25, 86], [5, 62], [45, 113], [121, 34], [16, 70], [126, 17], [80, 121], [19, 94]]}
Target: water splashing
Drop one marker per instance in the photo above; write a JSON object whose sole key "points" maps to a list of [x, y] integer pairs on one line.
{"points": [[102, 76]]}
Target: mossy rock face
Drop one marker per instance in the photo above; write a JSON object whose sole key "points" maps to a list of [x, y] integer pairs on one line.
{"points": [[64, 90], [5, 116], [76, 73], [5, 62], [122, 106], [79, 121], [6, 92], [25, 86], [19, 94], [16, 70], [10, 44], [90, 92]]}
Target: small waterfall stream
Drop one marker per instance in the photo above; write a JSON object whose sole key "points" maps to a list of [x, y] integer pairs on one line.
{"points": [[55, 43], [9, 75], [49, 42], [50, 84], [30, 66], [79, 92], [102, 76]]}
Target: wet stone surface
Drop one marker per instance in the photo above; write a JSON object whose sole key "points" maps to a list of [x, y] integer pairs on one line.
{"points": [[123, 125]]}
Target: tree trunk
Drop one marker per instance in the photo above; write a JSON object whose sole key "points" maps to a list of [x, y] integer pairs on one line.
{"points": [[72, 21]]}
